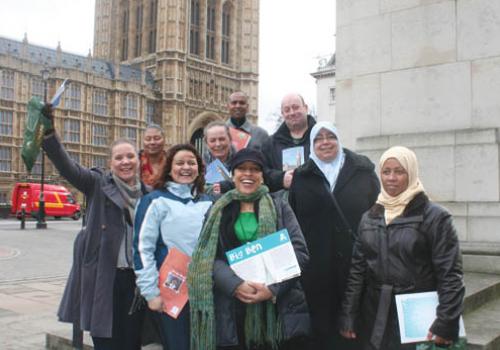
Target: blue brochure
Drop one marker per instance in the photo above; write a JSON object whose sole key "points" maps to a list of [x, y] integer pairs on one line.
{"points": [[216, 172], [268, 260]]}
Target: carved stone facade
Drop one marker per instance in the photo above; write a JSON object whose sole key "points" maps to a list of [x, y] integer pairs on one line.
{"points": [[198, 52], [172, 62]]}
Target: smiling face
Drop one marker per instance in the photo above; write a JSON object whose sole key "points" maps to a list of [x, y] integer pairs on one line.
{"points": [[326, 145], [247, 177], [218, 142], [294, 112], [184, 167], [394, 177], [124, 162], [237, 105], [154, 142]]}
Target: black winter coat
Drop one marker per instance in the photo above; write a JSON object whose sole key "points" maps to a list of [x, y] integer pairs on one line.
{"points": [[417, 252], [272, 151], [290, 299], [328, 239]]}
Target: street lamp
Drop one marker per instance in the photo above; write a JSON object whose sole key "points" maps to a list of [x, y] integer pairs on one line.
{"points": [[41, 223]]}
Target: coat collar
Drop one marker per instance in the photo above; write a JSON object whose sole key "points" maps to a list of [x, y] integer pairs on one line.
{"points": [[353, 163], [415, 208], [111, 191]]}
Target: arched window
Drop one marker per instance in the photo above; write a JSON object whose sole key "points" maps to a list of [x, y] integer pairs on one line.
{"points": [[197, 140], [226, 32], [210, 44], [194, 34]]}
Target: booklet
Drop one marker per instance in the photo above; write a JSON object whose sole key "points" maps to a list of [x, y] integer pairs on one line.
{"points": [[267, 260], [239, 138], [292, 157], [216, 172], [416, 313], [172, 282]]}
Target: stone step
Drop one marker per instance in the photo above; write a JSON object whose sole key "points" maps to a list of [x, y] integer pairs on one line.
{"points": [[481, 257], [62, 341], [482, 327], [480, 288]]}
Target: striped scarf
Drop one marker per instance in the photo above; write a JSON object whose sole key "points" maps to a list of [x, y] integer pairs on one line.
{"points": [[261, 322]]}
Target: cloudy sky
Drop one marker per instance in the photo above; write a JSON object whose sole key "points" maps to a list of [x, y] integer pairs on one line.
{"points": [[293, 37]]}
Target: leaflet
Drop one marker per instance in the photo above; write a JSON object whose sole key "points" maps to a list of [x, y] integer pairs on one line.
{"points": [[172, 282], [216, 172], [293, 157], [416, 313], [239, 138], [267, 260]]}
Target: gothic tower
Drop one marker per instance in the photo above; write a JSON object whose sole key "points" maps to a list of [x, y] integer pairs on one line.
{"points": [[198, 51]]}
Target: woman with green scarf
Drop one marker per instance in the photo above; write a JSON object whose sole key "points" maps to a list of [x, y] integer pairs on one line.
{"points": [[228, 312]]}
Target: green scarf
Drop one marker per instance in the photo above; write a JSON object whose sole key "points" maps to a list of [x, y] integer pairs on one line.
{"points": [[262, 325]]}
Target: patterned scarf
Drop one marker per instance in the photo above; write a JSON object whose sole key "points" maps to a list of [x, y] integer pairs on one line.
{"points": [[148, 176], [262, 325]]}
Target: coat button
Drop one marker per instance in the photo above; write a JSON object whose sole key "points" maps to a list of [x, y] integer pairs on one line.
{"points": [[103, 227]]}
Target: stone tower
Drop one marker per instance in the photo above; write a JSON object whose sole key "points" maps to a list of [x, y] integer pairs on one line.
{"points": [[199, 51]]}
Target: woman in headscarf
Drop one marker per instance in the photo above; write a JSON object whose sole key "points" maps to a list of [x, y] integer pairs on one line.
{"points": [[228, 312], [101, 286], [405, 244], [329, 194]]}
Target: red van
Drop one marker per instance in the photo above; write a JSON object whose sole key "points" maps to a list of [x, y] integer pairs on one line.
{"points": [[59, 201]]}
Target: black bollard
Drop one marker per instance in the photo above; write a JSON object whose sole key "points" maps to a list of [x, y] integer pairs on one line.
{"points": [[23, 219]]}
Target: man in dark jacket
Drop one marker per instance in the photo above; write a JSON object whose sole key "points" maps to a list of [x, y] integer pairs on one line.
{"points": [[293, 132], [237, 106]]}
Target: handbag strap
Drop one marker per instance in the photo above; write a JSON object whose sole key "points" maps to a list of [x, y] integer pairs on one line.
{"points": [[340, 211]]}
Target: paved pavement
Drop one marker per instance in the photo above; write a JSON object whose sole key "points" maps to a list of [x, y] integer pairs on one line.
{"points": [[33, 268]]}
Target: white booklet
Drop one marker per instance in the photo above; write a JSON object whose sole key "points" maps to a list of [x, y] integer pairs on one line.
{"points": [[416, 313], [267, 260]]}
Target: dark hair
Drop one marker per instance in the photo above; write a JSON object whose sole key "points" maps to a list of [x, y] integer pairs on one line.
{"points": [[199, 182]]}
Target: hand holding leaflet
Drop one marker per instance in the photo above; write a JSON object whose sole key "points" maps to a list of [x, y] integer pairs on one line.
{"points": [[267, 260]]}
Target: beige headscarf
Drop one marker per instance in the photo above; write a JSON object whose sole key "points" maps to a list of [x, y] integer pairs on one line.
{"points": [[394, 206]]}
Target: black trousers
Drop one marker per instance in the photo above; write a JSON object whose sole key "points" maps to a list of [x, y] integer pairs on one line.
{"points": [[126, 328]]}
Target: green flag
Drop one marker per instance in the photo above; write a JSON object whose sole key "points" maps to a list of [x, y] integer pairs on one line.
{"points": [[34, 129]]}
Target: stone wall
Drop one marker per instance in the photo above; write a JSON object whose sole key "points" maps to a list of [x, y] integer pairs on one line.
{"points": [[426, 74]]}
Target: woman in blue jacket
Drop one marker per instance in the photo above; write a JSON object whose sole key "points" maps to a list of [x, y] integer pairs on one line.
{"points": [[170, 216]]}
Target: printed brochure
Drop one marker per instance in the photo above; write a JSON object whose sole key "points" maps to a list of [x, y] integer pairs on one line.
{"points": [[216, 172], [172, 282], [416, 313], [293, 157], [267, 260]]}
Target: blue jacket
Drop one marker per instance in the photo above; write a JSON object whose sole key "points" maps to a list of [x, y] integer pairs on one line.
{"points": [[165, 218]]}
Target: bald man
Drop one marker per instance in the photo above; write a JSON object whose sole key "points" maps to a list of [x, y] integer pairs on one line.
{"points": [[293, 132]]}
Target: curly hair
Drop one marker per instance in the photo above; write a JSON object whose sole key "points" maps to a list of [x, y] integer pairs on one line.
{"points": [[199, 182]]}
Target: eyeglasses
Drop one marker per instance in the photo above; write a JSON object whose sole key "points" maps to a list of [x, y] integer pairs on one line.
{"points": [[325, 138]]}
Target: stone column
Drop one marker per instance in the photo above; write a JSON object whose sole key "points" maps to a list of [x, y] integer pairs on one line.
{"points": [[426, 74]]}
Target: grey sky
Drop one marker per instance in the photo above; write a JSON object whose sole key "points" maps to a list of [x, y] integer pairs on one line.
{"points": [[293, 35]]}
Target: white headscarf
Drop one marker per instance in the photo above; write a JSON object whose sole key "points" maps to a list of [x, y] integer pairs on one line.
{"points": [[330, 169], [394, 206]]}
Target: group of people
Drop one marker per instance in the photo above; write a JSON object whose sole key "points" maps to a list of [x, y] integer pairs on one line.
{"points": [[359, 239]]}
